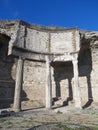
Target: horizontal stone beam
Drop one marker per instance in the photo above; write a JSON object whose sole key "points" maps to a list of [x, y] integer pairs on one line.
{"points": [[32, 55]]}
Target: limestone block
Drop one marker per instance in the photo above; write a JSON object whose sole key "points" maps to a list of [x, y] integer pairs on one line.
{"points": [[37, 40]]}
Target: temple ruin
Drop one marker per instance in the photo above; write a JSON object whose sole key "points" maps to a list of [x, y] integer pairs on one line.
{"points": [[52, 65]]}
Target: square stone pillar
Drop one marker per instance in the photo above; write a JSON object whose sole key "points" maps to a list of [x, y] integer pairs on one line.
{"points": [[48, 84], [18, 85], [76, 87]]}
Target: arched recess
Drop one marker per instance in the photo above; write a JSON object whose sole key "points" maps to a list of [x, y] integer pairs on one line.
{"points": [[7, 82]]}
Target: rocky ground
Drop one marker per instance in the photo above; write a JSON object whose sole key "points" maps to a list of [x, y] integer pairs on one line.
{"points": [[63, 118]]}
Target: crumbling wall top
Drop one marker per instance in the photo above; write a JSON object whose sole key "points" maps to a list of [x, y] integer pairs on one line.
{"points": [[32, 38]]}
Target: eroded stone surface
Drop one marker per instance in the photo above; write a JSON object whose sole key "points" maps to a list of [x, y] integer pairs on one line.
{"points": [[33, 43]]}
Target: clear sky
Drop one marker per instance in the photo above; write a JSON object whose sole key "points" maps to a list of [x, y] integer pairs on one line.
{"points": [[67, 13]]}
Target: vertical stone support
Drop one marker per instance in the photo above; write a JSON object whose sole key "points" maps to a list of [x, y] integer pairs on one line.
{"points": [[76, 88], [48, 84], [18, 85]]}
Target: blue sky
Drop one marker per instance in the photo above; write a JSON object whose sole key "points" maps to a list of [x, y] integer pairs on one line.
{"points": [[68, 13]]}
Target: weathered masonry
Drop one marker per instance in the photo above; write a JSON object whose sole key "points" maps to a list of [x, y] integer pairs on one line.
{"points": [[49, 65]]}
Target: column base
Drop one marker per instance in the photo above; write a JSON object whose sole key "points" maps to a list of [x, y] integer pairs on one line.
{"points": [[16, 110], [78, 107], [48, 109], [78, 104]]}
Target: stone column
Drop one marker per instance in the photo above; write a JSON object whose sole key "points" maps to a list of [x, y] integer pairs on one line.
{"points": [[48, 84], [76, 88], [18, 85]]}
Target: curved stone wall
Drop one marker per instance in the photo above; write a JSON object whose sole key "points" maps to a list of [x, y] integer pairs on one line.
{"points": [[33, 43]]}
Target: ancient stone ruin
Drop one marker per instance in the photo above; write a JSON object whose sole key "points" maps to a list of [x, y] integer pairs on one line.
{"points": [[47, 64]]}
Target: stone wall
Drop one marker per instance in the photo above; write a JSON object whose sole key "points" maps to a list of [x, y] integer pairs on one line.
{"points": [[94, 73], [33, 43], [63, 42], [37, 40], [34, 80], [48, 41], [62, 79]]}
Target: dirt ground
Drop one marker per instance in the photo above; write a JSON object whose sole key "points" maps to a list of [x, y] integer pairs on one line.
{"points": [[86, 119]]}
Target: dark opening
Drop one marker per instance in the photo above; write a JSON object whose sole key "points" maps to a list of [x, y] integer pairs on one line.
{"points": [[6, 81], [62, 71], [85, 67]]}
